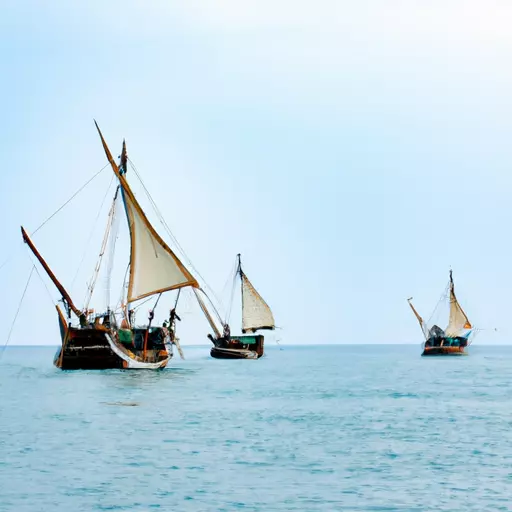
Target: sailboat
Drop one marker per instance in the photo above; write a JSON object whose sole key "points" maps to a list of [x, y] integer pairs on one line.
{"points": [[256, 315], [455, 338], [99, 341]]}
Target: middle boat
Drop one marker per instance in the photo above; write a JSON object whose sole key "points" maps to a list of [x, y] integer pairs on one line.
{"points": [[256, 315], [92, 341]]}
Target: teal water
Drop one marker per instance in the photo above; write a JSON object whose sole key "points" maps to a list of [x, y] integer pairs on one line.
{"points": [[349, 428]]}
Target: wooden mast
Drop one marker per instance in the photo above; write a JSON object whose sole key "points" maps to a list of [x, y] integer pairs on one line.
{"points": [[241, 274], [51, 275]]}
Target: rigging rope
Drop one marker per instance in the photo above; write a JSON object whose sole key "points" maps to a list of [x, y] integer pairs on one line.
{"points": [[40, 277], [57, 211], [70, 199], [123, 288], [171, 235], [88, 244], [94, 279], [213, 306], [114, 232], [18, 310], [443, 297]]}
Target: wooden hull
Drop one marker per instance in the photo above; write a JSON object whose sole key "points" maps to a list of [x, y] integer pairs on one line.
{"points": [[239, 347], [87, 350], [444, 351], [97, 349], [233, 353]]}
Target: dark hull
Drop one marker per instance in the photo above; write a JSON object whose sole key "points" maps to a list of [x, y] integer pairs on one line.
{"points": [[227, 353], [95, 348], [87, 350], [239, 347], [444, 351], [445, 346]]}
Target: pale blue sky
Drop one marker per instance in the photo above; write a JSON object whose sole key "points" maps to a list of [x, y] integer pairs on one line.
{"points": [[351, 151]]}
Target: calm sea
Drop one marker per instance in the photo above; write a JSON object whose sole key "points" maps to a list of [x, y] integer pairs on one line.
{"points": [[352, 428]]}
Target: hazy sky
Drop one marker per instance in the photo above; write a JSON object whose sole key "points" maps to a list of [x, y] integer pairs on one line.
{"points": [[352, 151]]}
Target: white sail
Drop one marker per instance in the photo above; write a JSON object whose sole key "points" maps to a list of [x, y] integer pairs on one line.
{"points": [[154, 268], [255, 312], [458, 321]]}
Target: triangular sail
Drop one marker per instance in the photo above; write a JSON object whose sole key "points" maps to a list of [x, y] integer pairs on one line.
{"points": [[154, 268], [255, 312], [458, 319], [423, 325]]}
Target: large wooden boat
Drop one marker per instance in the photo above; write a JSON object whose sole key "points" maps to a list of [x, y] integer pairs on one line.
{"points": [[454, 340], [111, 339], [256, 315]]}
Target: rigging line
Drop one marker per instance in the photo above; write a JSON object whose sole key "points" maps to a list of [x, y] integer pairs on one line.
{"points": [[9, 258], [18, 310], [142, 304], [94, 279], [123, 288], [213, 306], [443, 297], [70, 199], [88, 244], [174, 239], [41, 278], [157, 300]]}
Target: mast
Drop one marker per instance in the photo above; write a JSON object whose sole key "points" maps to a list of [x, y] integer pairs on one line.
{"points": [[241, 274], [65, 295], [458, 319], [124, 159]]}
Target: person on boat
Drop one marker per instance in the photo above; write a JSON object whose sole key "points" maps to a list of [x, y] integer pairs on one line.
{"points": [[227, 333], [106, 319], [173, 316]]}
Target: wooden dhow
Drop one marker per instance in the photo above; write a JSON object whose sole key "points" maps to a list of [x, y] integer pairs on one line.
{"points": [[92, 341], [256, 316]]}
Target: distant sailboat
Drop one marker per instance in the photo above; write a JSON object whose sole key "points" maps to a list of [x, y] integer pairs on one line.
{"points": [[256, 315], [454, 339], [97, 341]]}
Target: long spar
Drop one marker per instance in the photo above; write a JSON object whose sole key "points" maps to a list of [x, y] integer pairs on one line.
{"points": [[51, 275]]}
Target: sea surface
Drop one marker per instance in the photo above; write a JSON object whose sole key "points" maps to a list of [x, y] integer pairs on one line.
{"points": [[346, 427]]}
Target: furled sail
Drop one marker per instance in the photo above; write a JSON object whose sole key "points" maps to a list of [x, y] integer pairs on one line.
{"points": [[423, 325], [154, 268], [458, 320], [255, 312]]}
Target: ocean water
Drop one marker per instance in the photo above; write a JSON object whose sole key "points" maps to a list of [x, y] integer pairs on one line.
{"points": [[349, 428]]}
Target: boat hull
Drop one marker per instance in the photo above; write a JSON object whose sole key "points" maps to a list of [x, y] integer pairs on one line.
{"points": [[233, 353], [96, 349], [444, 351], [239, 347]]}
